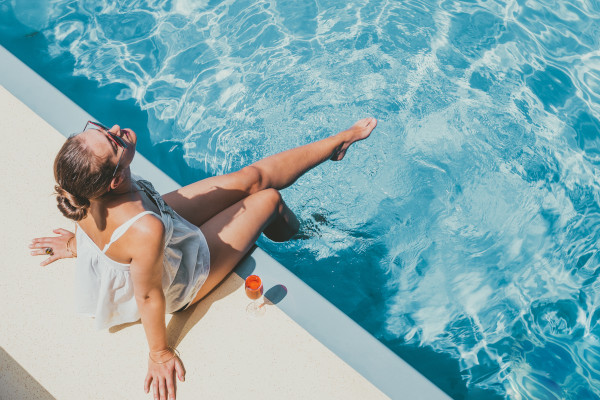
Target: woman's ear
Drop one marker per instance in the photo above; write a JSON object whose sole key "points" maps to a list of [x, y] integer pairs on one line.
{"points": [[120, 177], [117, 180]]}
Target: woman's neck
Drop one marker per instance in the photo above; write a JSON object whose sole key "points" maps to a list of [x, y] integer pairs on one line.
{"points": [[125, 192], [125, 188]]}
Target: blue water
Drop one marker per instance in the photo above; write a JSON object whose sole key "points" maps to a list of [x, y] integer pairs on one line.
{"points": [[463, 234]]}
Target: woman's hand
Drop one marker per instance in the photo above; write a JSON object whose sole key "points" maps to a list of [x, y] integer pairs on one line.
{"points": [[56, 244], [162, 376]]}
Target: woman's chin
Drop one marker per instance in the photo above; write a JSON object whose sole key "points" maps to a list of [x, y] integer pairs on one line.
{"points": [[131, 135]]}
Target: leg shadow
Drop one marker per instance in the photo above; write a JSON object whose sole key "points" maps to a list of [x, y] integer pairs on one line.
{"points": [[183, 321]]}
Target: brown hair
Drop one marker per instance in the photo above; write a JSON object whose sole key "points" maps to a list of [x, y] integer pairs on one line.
{"points": [[81, 175]]}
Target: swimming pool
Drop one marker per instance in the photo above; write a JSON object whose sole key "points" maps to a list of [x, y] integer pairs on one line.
{"points": [[462, 234]]}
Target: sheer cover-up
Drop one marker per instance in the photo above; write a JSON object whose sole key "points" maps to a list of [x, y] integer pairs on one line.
{"points": [[103, 287]]}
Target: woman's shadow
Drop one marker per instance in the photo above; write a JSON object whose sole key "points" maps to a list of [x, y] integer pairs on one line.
{"points": [[183, 321]]}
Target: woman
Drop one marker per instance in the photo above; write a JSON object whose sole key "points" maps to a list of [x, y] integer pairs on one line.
{"points": [[141, 255]]}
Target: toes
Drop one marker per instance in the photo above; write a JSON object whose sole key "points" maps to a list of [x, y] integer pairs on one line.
{"points": [[362, 122], [366, 122]]}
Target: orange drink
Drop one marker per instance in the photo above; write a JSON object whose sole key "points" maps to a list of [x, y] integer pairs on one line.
{"points": [[254, 287], [254, 290]]}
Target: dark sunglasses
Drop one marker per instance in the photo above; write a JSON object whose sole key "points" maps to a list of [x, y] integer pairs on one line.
{"points": [[117, 140]]}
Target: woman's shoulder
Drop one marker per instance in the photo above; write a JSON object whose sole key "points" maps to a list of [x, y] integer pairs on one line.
{"points": [[138, 228], [148, 223], [145, 235], [145, 238]]}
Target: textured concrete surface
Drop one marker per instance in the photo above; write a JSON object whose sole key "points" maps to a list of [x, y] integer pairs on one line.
{"points": [[47, 351]]}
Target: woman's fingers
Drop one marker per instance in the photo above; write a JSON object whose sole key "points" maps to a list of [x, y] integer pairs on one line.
{"points": [[37, 241], [48, 241], [180, 369], [171, 386], [41, 242], [41, 252], [49, 260], [162, 379], [162, 388], [39, 249], [147, 382]]}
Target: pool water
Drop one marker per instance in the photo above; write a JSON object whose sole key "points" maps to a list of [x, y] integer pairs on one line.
{"points": [[462, 234]]}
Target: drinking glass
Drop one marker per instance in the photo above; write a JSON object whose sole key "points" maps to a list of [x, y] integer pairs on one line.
{"points": [[254, 291]]}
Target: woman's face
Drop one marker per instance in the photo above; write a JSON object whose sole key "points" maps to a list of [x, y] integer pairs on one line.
{"points": [[103, 146]]}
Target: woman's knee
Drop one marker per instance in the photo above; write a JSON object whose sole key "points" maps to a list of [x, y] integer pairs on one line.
{"points": [[269, 200], [284, 224], [272, 197], [253, 179]]}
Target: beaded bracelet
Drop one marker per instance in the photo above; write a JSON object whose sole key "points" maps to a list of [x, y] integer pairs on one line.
{"points": [[175, 354]]}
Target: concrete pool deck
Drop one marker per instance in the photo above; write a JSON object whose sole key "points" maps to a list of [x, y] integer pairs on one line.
{"points": [[302, 347]]}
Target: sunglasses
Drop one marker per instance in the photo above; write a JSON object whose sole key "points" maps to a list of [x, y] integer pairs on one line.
{"points": [[116, 140]]}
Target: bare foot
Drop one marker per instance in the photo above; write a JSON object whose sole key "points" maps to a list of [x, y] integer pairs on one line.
{"points": [[359, 131]]}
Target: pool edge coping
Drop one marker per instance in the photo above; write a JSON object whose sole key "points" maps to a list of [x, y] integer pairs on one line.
{"points": [[315, 314]]}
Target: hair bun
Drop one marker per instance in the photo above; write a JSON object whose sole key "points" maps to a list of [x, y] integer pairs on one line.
{"points": [[72, 207]]}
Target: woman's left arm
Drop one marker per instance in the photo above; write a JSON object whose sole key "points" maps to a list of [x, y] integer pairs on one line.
{"points": [[57, 247], [146, 245]]}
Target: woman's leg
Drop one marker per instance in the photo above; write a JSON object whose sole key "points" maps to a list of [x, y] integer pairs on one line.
{"points": [[200, 201], [231, 233], [281, 170]]}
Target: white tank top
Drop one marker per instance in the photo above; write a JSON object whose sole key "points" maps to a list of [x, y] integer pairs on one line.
{"points": [[103, 287]]}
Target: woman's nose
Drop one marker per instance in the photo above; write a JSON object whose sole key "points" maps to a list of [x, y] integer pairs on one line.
{"points": [[116, 129]]}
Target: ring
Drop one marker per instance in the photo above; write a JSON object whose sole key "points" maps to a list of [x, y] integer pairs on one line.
{"points": [[49, 251]]}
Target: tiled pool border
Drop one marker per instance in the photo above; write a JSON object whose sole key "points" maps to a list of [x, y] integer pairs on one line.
{"points": [[315, 314]]}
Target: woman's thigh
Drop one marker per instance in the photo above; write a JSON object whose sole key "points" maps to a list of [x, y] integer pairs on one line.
{"points": [[231, 233], [202, 200]]}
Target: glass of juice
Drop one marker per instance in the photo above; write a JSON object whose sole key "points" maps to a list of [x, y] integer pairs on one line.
{"points": [[254, 291]]}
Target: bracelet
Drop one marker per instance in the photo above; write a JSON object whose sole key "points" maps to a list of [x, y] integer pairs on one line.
{"points": [[73, 253], [175, 354]]}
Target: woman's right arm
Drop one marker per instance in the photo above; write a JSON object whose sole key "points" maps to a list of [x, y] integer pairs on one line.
{"points": [[147, 244]]}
